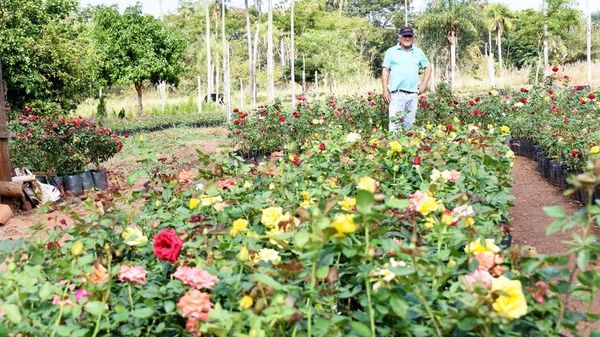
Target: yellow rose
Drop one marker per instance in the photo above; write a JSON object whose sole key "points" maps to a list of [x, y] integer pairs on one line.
{"points": [[595, 150], [133, 236], [344, 224], [476, 247], [504, 129], [238, 226], [395, 147], [77, 248], [430, 222], [427, 206], [451, 263], [206, 200], [367, 183], [268, 255], [271, 216], [469, 222], [509, 154], [447, 219], [271, 186], [494, 92], [511, 302], [247, 184], [246, 302], [193, 203], [429, 127], [348, 203], [243, 254]]}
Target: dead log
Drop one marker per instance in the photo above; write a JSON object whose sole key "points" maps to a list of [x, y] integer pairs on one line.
{"points": [[11, 189]]}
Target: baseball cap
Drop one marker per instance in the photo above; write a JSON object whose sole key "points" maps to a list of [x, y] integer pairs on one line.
{"points": [[406, 31]]}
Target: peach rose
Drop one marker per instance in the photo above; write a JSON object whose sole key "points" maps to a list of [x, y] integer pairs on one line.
{"points": [[133, 274], [195, 304]]}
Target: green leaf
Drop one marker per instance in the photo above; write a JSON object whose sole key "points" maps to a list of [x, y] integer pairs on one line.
{"points": [[364, 201], [361, 329], [583, 258], [12, 313], [393, 202], [301, 238], [166, 194], [95, 308], [322, 271], [557, 212], [212, 189], [267, 280], [595, 333], [467, 324], [554, 227], [169, 306], [142, 313]]}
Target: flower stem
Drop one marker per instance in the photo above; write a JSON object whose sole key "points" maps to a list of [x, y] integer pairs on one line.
{"points": [[129, 293], [368, 286], [308, 301]]}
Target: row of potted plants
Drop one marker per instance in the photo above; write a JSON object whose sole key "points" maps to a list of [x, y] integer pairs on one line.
{"points": [[341, 233]]}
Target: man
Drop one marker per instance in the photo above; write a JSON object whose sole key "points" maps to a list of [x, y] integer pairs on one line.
{"points": [[401, 66]]}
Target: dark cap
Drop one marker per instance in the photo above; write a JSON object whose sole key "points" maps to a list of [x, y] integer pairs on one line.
{"points": [[406, 31]]}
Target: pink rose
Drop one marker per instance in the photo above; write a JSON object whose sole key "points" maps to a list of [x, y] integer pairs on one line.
{"points": [[196, 277], [195, 304], [133, 274], [481, 277], [486, 260], [80, 294], [454, 175]]}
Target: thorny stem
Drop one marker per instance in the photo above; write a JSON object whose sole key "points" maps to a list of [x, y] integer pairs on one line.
{"points": [[60, 313], [368, 285], [308, 301]]}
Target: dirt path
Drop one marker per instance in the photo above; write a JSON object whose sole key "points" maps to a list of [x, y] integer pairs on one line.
{"points": [[532, 192]]}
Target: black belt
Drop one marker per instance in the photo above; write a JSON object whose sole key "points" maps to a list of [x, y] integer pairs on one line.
{"points": [[404, 91]]}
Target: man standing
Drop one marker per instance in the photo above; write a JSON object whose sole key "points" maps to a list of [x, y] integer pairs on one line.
{"points": [[401, 66]]}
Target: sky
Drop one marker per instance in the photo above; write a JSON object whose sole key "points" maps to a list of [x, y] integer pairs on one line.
{"points": [[153, 6]]}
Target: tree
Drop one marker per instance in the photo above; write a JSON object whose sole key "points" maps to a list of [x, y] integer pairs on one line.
{"points": [[209, 72], [48, 61], [292, 57], [136, 48], [270, 56], [449, 19], [499, 19]]}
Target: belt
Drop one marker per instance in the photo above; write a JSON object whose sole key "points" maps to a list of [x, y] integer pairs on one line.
{"points": [[404, 91]]}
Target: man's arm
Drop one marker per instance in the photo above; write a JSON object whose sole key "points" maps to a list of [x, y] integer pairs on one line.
{"points": [[385, 76], [423, 85]]}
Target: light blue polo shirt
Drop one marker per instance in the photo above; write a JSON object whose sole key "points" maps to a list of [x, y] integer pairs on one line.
{"points": [[404, 67]]}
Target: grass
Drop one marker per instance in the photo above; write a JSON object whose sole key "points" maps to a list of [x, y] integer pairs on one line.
{"points": [[185, 103]]}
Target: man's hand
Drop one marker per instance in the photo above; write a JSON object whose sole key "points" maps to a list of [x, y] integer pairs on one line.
{"points": [[422, 88], [386, 96]]}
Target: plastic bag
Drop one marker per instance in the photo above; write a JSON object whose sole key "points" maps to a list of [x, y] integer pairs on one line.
{"points": [[49, 193], [23, 175]]}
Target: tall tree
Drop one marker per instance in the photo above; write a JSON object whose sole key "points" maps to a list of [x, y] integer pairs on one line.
{"points": [[249, 40], [255, 52], [136, 48], [48, 59], [209, 66], [499, 19], [270, 56], [292, 57], [545, 42], [588, 39], [449, 19]]}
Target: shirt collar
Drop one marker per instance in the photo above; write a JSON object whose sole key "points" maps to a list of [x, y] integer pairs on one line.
{"points": [[412, 47]]}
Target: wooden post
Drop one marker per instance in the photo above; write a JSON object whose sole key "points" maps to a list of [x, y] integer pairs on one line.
{"points": [[5, 165]]}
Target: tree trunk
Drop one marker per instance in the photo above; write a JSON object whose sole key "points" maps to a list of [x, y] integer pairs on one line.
{"points": [[406, 12], [163, 95], [209, 66], [11, 189], [490, 61], [292, 58], [270, 60], [499, 43], [199, 97], [546, 58], [139, 89], [218, 81], [227, 82], [452, 59], [249, 39], [5, 164], [255, 54], [242, 98], [432, 79], [303, 76], [282, 52], [316, 81], [589, 43], [223, 48]]}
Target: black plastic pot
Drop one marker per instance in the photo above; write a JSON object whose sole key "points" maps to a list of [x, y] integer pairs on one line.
{"points": [[100, 179], [58, 182], [74, 184], [42, 179], [87, 180]]}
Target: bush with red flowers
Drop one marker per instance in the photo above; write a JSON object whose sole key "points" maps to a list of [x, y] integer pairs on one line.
{"points": [[60, 145]]}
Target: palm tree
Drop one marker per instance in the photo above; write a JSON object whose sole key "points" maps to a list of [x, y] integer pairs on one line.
{"points": [[499, 19], [589, 43], [449, 19], [292, 58], [209, 66]]}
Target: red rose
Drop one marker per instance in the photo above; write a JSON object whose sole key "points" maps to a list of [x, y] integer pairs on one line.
{"points": [[369, 93], [471, 103], [524, 90], [322, 147], [550, 91], [297, 114], [555, 69], [575, 153], [236, 110], [167, 245], [565, 121], [591, 95], [417, 160], [475, 112], [282, 119], [449, 127], [523, 100], [477, 99]]}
